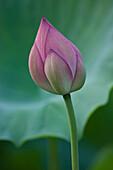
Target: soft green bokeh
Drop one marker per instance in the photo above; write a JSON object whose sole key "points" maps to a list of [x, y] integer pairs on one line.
{"points": [[99, 129], [103, 160], [26, 111], [35, 155]]}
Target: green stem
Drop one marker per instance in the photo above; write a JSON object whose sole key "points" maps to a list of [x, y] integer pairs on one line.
{"points": [[73, 132]]}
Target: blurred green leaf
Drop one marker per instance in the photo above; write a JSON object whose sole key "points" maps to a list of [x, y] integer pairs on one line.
{"points": [[30, 156], [99, 129], [26, 111], [103, 160], [35, 155]]}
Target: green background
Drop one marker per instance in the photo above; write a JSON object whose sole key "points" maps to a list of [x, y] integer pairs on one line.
{"points": [[28, 113]]}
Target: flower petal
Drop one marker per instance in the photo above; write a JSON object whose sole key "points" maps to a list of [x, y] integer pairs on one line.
{"points": [[58, 73], [80, 76], [76, 50], [41, 37], [36, 68], [56, 41]]}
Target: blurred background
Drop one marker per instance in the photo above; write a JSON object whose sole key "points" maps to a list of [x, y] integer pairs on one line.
{"points": [[88, 24]]}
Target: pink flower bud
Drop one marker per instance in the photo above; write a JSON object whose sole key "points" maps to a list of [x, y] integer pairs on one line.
{"points": [[55, 64]]}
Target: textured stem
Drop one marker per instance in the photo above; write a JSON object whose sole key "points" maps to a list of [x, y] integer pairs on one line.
{"points": [[73, 132]]}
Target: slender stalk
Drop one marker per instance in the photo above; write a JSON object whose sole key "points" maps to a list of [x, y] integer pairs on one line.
{"points": [[73, 132]]}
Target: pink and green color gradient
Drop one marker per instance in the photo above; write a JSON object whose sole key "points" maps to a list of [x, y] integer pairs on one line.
{"points": [[55, 64]]}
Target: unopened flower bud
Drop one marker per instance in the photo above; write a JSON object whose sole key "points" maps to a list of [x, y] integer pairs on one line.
{"points": [[55, 64]]}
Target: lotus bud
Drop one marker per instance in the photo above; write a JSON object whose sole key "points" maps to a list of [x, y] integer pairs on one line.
{"points": [[55, 64]]}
